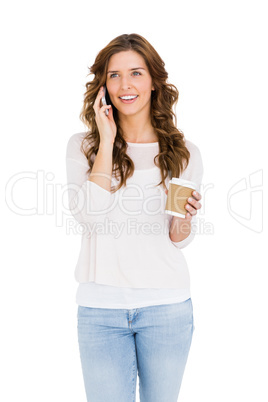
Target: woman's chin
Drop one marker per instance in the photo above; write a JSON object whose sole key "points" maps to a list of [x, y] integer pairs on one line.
{"points": [[126, 112]]}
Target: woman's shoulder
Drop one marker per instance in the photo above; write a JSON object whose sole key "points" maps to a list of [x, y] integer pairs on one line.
{"points": [[192, 148], [194, 169], [76, 139], [73, 149]]}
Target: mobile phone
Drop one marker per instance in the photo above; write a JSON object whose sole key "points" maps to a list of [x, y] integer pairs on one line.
{"points": [[105, 100]]}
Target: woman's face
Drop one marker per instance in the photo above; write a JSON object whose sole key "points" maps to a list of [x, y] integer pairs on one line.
{"points": [[129, 84]]}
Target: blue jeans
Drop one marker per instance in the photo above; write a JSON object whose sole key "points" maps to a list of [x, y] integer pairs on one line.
{"points": [[115, 344]]}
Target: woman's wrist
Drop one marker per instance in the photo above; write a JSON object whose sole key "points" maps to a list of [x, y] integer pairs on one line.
{"points": [[106, 145], [179, 229]]}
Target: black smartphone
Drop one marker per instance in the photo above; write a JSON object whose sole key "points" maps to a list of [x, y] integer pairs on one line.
{"points": [[105, 100]]}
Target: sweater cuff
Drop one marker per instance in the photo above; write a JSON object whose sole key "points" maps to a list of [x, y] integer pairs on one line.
{"points": [[97, 197], [98, 188], [185, 242]]}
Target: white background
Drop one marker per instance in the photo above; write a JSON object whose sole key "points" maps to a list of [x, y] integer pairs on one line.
{"points": [[216, 54]]}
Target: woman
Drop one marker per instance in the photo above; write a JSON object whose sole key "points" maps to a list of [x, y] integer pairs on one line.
{"points": [[135, 311]]}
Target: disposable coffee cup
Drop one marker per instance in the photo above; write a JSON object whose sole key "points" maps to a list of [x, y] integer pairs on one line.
{"points": [[179, 190]]}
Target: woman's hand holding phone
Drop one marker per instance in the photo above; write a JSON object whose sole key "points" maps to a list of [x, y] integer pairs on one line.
{"points": [[105, 122]]}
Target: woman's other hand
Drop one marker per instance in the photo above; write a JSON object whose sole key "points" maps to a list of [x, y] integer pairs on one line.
{"points": [[192, 206]]}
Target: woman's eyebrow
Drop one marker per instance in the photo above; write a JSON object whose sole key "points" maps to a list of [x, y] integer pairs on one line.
{"points": [[131, 69]]}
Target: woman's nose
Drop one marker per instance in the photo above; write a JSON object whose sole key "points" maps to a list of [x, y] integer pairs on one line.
{"points": [[125, 83]]}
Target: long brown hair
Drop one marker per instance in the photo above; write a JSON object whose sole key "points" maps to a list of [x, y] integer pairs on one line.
{"points": [[173, 157]]}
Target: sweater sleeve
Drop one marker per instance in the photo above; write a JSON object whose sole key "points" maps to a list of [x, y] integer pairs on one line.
{"points": [[88, 202], [193, 172]]}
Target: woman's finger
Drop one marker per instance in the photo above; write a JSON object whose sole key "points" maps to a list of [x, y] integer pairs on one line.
{"points": [[96, 105], [191, 209], [188, 217], [196, 195], [194, 203], [104, 108]]}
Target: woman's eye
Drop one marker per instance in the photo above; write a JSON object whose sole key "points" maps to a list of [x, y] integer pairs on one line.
{"points": [[137, 73], [113, 75]]}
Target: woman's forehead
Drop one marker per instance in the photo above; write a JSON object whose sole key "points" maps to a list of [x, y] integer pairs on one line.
{"points": [[126, 60]]}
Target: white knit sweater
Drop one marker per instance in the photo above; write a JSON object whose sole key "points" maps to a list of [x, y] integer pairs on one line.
{"points": [[127, 258]]}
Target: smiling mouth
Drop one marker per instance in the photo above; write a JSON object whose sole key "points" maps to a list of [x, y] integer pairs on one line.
{"points": [[128, 98]]}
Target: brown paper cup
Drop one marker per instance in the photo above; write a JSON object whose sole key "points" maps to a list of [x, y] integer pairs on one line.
{"points": [[178, 192]]}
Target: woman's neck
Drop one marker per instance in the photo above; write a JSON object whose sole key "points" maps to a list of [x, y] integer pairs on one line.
{"points": [[135, 130]]}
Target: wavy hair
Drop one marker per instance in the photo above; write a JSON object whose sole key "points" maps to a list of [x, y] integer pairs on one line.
{"points": [[174, 156]]}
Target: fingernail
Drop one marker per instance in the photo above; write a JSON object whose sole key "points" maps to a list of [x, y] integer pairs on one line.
{"points": [[190, 199], [194, 193]]}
